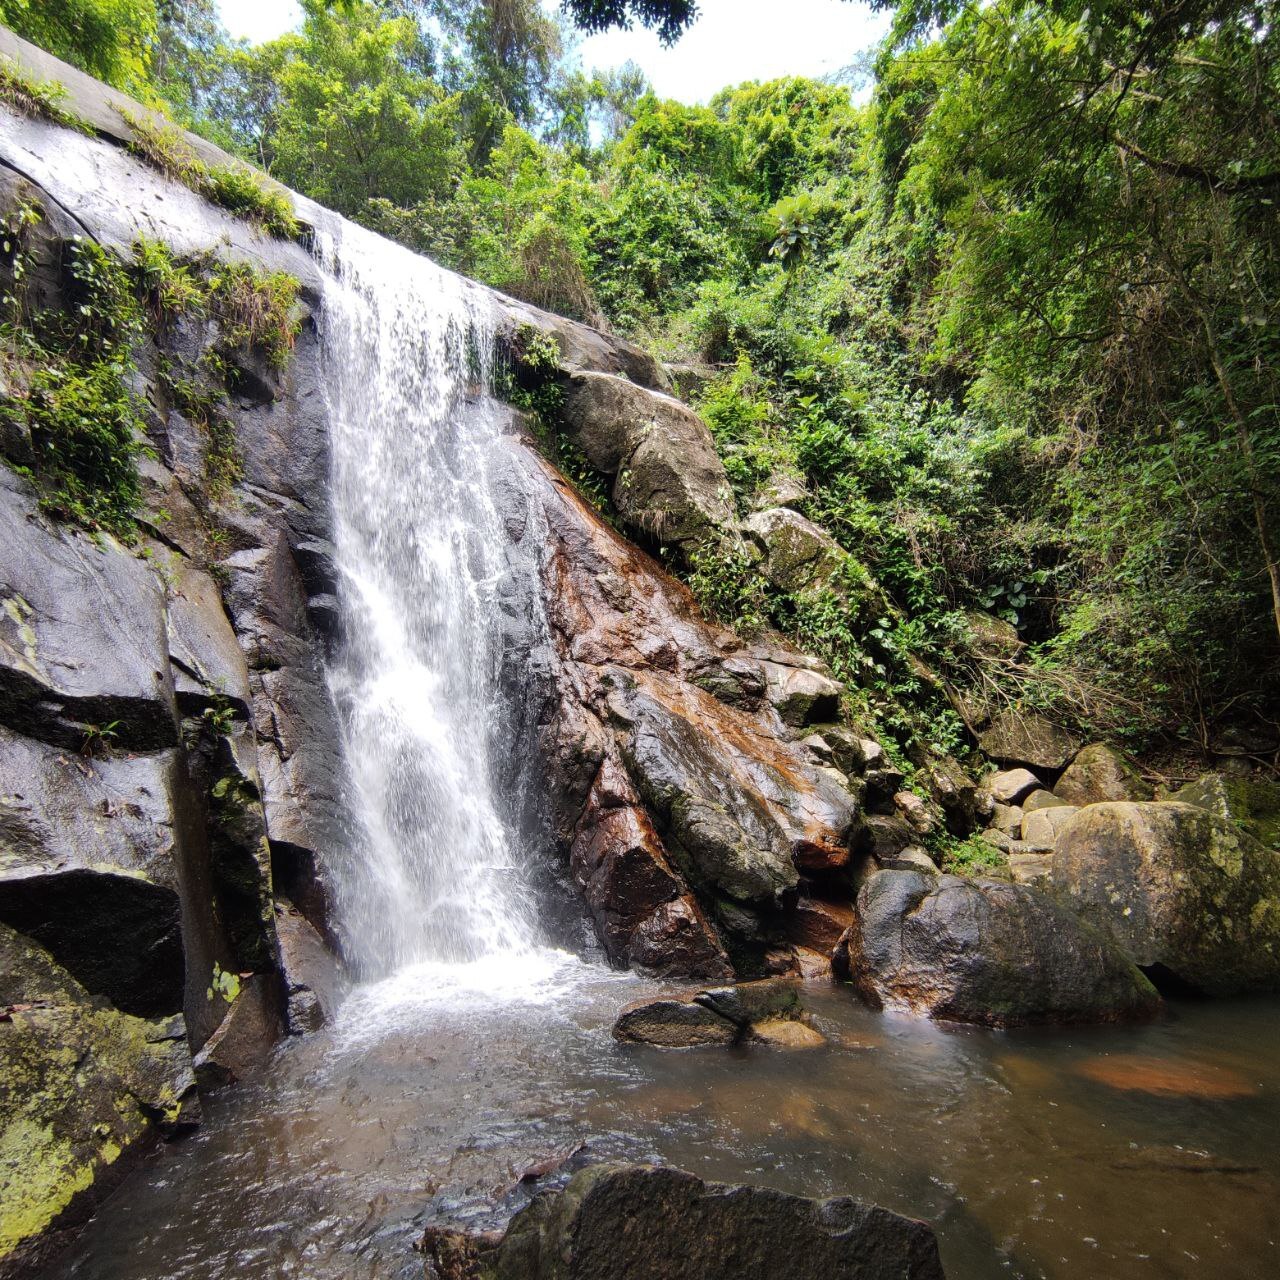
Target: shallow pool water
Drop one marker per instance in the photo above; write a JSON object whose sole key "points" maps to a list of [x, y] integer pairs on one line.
{"points": [[1082, 1153]]}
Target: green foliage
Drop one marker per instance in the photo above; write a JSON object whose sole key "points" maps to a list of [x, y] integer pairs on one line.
{"points": [[255, 310], [110, 39], [39, 98], [970, 857], [69, 395]]}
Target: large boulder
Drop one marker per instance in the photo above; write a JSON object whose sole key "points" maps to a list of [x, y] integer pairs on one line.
{"points": [[1098, 774], [796, 555], [638, 1222], [669, 482], [1249, 801], [1026, 738], [81, 1086], [1188, 894], [985, 951]]}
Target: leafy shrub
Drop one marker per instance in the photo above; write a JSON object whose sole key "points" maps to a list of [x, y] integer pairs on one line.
{"points": [[41, 99]]}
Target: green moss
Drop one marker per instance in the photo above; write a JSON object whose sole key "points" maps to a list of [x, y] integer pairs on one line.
{"points": [[46, 1176]]}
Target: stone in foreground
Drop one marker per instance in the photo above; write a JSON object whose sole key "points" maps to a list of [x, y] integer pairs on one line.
{"points": [[985, 951], [745, 1012], [1185, 892], [639, 1222]]}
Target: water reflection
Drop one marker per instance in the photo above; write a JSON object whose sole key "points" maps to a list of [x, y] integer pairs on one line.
{"points": [[1085, 1153]]}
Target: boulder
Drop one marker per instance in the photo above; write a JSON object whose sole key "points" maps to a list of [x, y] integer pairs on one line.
{"points": [[912, 858], [243, 1041], [817, 924], [638, 1222], [82, 1086], [1043, 826], [674, 1024], [1097, 774], [985, 951], [787, 1033], [311, 973], [1027, 738], [669, 482], [1012, 786], [796, 555], [802, 695], [992, 637], [1188, 894], [1043, 800], [744, 1003], [1249, 801], [914, 812], [1031, 868], [1008, 818]]}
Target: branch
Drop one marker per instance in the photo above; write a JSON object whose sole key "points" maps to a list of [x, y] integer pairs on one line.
{"points": [[1195, 173]]}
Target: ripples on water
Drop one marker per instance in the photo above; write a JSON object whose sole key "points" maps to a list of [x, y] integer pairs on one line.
{"points": [[1115, 1152]]}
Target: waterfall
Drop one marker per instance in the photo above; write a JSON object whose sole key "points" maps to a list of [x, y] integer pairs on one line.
{"points": [[435, 869]]}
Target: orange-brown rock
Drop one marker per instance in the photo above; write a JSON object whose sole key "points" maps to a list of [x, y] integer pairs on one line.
{"points": [[674, 780]]}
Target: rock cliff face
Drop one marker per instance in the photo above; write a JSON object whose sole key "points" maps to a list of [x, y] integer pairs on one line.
{"points": [[170, 783]]}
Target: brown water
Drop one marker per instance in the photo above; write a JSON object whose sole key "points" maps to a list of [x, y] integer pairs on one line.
{"points": [[1089, 1154]]}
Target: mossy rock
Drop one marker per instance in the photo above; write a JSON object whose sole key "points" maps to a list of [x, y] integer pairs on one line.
{"points": [[81, 1085], [1249, 802], [1186, 892]]}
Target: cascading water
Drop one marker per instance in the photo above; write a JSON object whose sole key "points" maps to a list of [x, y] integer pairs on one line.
{"points": [[435, 871]]}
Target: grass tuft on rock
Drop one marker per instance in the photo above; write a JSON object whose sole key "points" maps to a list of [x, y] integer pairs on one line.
{"points": [[39, 99], [234, 187]]}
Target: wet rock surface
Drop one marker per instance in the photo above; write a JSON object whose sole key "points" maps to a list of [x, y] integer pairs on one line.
{"points": [[1187, 893], [64, 1128], [744, 1012], [640, 1222], [985, 951]]}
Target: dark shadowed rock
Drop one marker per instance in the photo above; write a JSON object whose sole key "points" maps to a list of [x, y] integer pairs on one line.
{"points": [[673, 1024], [1185, 892], [312, 977], [1098, 774], [637, 1222], [984, 951], [1027, 738], [89, 868]]}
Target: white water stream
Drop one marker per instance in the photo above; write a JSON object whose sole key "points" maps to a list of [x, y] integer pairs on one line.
{"points": [[436, 876]]}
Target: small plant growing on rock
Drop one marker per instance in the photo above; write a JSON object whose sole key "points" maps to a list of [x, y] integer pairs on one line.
{"points": [[99, 739], [234, 187], [256, 309], [40, 99]]}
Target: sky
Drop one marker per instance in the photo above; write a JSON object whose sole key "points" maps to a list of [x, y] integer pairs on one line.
{"points": [[732, 41]]}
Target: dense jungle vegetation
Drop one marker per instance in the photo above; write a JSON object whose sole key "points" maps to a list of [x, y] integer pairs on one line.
{"points": [[1007, 329]]}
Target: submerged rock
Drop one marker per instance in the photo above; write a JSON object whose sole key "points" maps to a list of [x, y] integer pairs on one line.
{"points": [[1184, 891], [673, 1024], [640, 1222], [985, 951]]}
